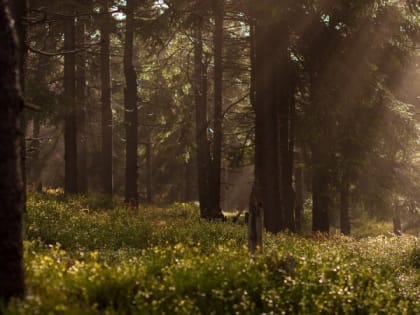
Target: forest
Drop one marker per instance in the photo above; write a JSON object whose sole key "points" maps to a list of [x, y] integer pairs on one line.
{"points": [[209, 157]]}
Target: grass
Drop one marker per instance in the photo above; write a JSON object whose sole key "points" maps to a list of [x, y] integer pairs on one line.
{"points": [[82, 259]]}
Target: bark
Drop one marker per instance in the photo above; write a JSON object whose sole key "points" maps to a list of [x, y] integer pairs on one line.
{"points": [[344, 206], [107, 124], [216, 159], [81, 95], [320, 190], [266, 134], [19, 11], [11, 179], [70, 122], [299, 199], [130, 117], [255, 221], [149, 173], [202, 143], [35, 170], [188, 181], [286, 103]]}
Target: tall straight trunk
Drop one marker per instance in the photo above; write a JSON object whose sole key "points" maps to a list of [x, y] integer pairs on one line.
{"points": [[81, 94], [107, 144], [130, 107], [149, 173], [188, 181], [344, 206], [320, 190], [321, 158], [216, 161], [266, 133], [35, 170], [12, 193], [70, 120], [299, 198], [285, 99], [19, 10], [203, 149]]}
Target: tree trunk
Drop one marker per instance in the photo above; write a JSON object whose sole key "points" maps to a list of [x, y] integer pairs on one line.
{"points": [[81, 94], [70, 123], [11, 180], [320, 190], [216, 159], [344, 206], [203, 150], [266, 138], [130, 117], [19, 12], [149, 173], [255, 222], [35, 169], [107, 143], [285, 99], [299, 199]]}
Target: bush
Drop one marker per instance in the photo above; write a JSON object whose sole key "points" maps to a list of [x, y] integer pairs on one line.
{"points": [[168, 261]]}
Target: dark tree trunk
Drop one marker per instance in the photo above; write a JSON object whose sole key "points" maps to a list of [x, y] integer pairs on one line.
{"points": [[344, 206], [11, 180], [216, 159], [299, 199], [81, 94], [35, 170], [107, 165], [203, 149], [70, 123], [255, 221], [149, 173], [130, 117], [266, 127], [19, 11], [188, 181], [320, 190], [286, 103]]}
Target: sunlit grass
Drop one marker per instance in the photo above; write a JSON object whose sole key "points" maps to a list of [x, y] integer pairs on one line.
{"points": [[168, 261]]}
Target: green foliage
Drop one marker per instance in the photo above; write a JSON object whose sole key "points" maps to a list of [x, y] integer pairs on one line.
{"points": [[168, 261]]}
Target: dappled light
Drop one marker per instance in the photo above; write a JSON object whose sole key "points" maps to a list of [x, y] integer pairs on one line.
{"points": [[209, 157]]}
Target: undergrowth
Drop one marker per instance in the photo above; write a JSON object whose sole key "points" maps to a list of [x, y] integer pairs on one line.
{"points": [[86, 260]]}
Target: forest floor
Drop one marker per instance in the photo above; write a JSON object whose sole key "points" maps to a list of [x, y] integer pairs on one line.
{"points": [[82, 259]]}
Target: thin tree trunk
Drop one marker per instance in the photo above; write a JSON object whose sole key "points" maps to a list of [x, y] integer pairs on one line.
{"points": [[130, 117], [216, 159], [11, 180], [149, 173], [203, 150], [81, 94], [298, 198], [107, 143], [70, 123], [35, 170]]}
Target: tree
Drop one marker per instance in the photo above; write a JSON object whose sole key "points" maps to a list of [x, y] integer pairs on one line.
{"points": [[107, 124], [70, 121], [11, 184], [130, 111], [81, 98], [216, 157], [202, 141]]}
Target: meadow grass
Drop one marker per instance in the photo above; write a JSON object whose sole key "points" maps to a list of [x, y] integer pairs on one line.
{"points": [[81, 258]]}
